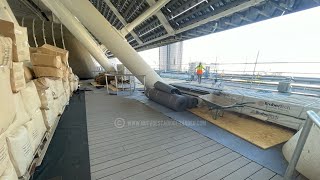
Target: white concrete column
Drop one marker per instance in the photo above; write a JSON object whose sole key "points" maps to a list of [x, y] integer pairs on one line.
{"points": [[91, 18], [6, 12], [79, 31]]}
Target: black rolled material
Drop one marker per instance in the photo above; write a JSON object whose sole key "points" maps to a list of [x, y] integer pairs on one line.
{"points": [[172, 101], [192, 101], [166, 88]]}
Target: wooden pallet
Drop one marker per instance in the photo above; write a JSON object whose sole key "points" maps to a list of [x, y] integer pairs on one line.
{"points": [[42, 149]]}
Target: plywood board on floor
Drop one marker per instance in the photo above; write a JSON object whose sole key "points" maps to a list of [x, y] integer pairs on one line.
{"points": [[259, 133], [95, 84]]}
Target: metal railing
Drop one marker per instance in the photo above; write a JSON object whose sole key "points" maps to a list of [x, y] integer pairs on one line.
{"points": [[132, 82], [313, 118]]}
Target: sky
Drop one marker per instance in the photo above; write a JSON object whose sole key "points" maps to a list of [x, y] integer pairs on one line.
{"points": [[290, 38]]}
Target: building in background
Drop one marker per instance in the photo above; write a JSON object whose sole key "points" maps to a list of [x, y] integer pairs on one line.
{"points": [[170, 57]]}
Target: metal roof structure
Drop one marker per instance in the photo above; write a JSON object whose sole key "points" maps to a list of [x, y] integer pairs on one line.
{"points": [[172, 21]]}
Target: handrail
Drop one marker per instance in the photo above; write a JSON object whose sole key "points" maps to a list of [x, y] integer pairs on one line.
{"points": [[313, 118]]}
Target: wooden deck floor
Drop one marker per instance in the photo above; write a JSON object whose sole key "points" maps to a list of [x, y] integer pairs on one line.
{"points": [[153, 146]]}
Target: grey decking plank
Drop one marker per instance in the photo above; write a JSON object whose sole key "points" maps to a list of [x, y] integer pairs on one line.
{"points": [[175, 163], [211, 157], [128, 158], [262, 174], [138, 142], [227, 169], [175, 172], [207, 168], [130, 152], [162, 144], [277, 177], [141, 137], [244, 172], [126, 170]]}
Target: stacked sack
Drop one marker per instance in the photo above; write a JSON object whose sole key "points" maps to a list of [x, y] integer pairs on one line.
{"points": [[20, 130], [29, 106]]}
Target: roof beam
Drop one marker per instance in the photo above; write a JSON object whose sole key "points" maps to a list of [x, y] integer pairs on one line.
{"points": [[162, 18], [147, 14], [122, 20], [228, 12]]}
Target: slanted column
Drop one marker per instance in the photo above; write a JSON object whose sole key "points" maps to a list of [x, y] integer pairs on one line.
{"points": [[91, 18]]}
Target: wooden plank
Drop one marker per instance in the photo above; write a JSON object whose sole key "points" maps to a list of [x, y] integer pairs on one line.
{"points": [[255, 131], [244, 172], [262, 174], [95, 84]]}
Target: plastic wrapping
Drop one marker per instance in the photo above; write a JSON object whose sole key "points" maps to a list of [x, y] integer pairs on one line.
{"points": [[20, 149], [7, 106], [9, 173], [22, 43], [50, 116], [31, 98], [310, 157], [4, 156], [17, 77], [36, 129], [45, 93]]}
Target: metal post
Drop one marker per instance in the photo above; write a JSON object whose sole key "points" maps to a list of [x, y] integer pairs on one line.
{"points": [[107, 83], [115, 77], [312, 118]]}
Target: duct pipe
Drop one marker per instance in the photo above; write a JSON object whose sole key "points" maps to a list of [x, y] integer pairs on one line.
{"points": [[144, 16], [103, 30], [77, 29]]}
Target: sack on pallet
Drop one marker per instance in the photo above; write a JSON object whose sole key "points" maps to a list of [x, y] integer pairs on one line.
{"points": [[52, 50], [17, 77], [9, 173], [4, 156], [7, 107], [20, 149], [44, 92], [59, 87], [40, 71], [66, 86], [46, 60], [22, 43], [36, 129], [20, 46], [22, 116], [28, 74], [5, 51], [50, 116], [71, 86], [30, 98]]}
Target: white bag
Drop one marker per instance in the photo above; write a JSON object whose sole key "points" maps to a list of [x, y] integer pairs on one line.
{"points": [[20, 149], [49, 117], [22, 116], [9, 173], [31, 98], [4, 157], [7, 108], [36, 129]]}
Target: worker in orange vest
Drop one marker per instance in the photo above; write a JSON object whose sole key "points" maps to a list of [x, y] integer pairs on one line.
{"points": [[199, 69]]}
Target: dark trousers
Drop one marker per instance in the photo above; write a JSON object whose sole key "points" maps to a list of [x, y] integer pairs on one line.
{"points": [[199, 78]]}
